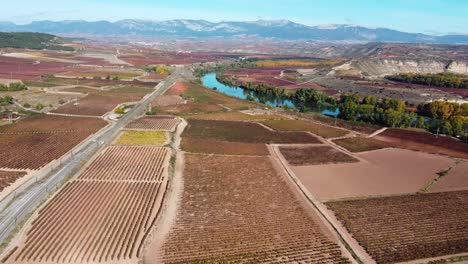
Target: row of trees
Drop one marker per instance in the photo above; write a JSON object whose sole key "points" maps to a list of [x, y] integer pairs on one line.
{"points": [[445, 79], [12, 87]]}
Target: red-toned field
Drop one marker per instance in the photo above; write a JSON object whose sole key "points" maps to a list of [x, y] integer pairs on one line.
{"points": [[9, 177], [424, 141], [209, 146], [314, 155], [167, 100], [381, 172], [241, 210], [35, 141], [404, 228], [164, 123], [24, 69], [105, 215], [169, 58]]}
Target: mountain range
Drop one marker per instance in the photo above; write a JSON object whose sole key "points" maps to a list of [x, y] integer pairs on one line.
{"points": [[183, 28]]}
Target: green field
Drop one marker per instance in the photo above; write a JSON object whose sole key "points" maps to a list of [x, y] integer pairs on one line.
{"points": [[133, 137]]}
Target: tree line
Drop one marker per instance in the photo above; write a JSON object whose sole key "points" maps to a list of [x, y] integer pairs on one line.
{"points": [[12, 87], [446, 79]]}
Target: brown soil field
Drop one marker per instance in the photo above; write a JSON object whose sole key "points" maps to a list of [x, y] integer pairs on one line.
{"points": [[301, 125], [167, 100], [233, 116], [456, 179], [361, 144], [163, 123], [241, 210], [404, 228], [35, 141], [314, 155], [209, 146], [383, 172], [9, 177], [424, 141], [177, 89], [243, 132], [104, 215]]}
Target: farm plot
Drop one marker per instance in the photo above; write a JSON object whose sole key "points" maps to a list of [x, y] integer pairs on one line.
{"points": [[361, 144], [167, 100], [313, 155], [456, 179], [129, 163], [9, 177], [246, 132], [209, 146], [233, 116], [105, 214], [424, 141], [94, 105], [301, 125], [404, 228], [250, 216], [133, 137], [381, 172], [163, 123], [36, 141]]}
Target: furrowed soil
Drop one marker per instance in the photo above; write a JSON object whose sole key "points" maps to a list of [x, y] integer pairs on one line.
{"points": [[314, 155], [239, 209], [404, 228]]}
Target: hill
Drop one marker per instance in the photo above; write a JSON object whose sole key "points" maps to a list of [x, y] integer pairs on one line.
{"points": [[27, 40]]}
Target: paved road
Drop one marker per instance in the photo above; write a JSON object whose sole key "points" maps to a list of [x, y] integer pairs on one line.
{"points": [[17, 207]]}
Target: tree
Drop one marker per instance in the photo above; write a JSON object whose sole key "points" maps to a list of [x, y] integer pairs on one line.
{"points": [[370, 100], [393, 118], [349, 110]]}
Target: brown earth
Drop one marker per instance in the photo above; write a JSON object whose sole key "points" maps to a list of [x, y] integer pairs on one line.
{"points": [[209, 146], [456, 179], [313, 155], [360, 144]]}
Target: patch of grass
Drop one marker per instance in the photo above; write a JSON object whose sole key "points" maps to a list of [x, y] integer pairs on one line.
{"points": [[361, 144], [301, 125], [232, 116], [314, 155], [134, 137], [243, 132]]}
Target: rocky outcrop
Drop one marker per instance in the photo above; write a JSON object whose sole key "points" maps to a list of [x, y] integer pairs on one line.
{"points": [[382, 67]]}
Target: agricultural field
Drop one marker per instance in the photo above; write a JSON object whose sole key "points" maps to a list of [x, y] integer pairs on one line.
{"points": [[105, 214], [110, 74], [167, 100], [161, 122], [302, 125], [25, 69], [380, 172], [412, 226], [236, 131], [314, 155], [37, 140], [250, 216], [34, 96], [98, 103], [9, 177], [202, 100], [164, 58], [133, 137], [424, 141], [234, 116], [456, 179], [209, 146], [360, 144]]}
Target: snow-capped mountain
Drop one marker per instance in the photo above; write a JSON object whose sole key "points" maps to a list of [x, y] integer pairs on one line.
{"points": [[281, 29]]}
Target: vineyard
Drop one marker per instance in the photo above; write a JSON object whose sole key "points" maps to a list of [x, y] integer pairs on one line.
{"points": [[413, 226], [302, 125], [240, 210], [9, 177], [34, 142], [163, 123], [137, 137], [314, 155], [105, 214]]}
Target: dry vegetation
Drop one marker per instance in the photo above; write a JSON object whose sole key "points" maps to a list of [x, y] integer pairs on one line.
{"points": [[163, 123], [361, 144], [301, 125], [314, 155], [209, 146], [132, 137], [249, 216], [403, 228]]}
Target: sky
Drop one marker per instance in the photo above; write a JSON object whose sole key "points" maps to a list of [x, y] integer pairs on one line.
{"points": [[434, 17]]}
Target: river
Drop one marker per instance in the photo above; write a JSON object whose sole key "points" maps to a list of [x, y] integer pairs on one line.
{"points": [[209, 80]]}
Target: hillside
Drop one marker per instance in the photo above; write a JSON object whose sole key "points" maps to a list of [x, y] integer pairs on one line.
{"points": [[26, 40]]}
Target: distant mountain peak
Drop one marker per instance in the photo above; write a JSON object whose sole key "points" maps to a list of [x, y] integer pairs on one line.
{"points": [[280, 29]]}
